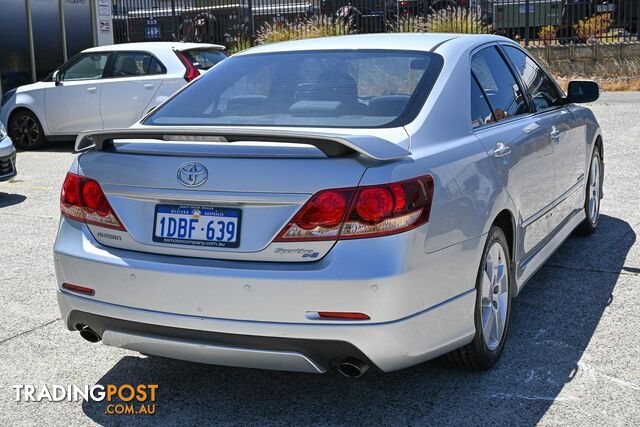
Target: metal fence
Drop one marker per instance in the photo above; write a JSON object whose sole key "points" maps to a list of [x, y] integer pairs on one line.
{"points": [[241, 23]]}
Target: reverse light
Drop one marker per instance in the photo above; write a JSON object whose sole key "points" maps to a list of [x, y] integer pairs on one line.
{"points": [[83, 200], [192, 72], [368, 211]]}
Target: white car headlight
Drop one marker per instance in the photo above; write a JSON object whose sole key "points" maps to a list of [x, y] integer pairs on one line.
{"points": [[3, 131]]}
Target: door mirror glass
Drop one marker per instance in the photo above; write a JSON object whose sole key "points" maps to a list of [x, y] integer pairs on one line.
{"points": [[581, 91]]}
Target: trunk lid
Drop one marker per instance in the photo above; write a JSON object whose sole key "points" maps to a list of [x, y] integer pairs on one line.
{"points": [[266, 181]]}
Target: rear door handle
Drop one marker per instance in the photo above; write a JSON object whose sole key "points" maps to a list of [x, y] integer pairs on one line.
{"points": [[92, 89], [555, 135], [501, 150], [148, 86]]}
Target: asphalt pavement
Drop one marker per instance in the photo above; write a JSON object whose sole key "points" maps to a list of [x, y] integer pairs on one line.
{"points": [[572, 356]]}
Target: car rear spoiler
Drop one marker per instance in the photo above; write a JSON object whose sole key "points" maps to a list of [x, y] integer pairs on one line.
{"points": [[329, 144]]}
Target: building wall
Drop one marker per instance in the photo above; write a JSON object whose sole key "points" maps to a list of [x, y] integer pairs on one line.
{"points": [[15, 58]]}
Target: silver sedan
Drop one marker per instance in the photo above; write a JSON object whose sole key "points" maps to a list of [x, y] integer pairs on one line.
{"points": [[357, 202]]}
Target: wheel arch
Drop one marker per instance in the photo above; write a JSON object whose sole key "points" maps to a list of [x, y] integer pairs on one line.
{"points": [[32, 100], [600, 146], [42, 134], [19, 108], [505, 220]]}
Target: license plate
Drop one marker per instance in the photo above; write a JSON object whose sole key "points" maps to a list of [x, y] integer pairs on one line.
{"points": [[197, 226]]}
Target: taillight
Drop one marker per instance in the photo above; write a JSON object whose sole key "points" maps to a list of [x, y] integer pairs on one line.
{"points": [[320, 218], [83, 200], [192, 72], [370, 211]]}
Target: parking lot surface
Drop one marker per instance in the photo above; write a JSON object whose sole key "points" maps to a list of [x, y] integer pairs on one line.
{"points": [[572, 355]]}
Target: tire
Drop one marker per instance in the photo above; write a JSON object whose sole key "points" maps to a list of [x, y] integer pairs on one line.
{"points": [[25, 130], [491, 306], [593, 195]]}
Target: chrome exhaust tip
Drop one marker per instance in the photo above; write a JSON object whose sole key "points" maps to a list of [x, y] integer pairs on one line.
{"points": [[352, 368], [89, 334]]}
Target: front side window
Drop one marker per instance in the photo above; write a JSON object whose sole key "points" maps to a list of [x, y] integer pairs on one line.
{"points": [[498, 84], [359, 88], [87, 67], [132, 64], [544, 93]]}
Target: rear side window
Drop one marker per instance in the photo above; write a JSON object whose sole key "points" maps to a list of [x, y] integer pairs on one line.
{"points": [[480, 111], [204, 58], [132, 64], [544, 93], [498, 84]]}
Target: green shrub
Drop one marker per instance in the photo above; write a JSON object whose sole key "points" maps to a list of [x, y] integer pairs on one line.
{"points": [[242, 42], [316, 26], [408, 24], [447, 20], [547, 33], [593, 27], [457, 20]]}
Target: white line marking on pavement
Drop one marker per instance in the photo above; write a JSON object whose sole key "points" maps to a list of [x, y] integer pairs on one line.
{"points": [[593, 373], [533, 397]]}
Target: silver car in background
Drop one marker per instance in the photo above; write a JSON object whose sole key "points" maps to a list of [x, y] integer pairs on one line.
{"points": [[353, 202], [7, 156]]}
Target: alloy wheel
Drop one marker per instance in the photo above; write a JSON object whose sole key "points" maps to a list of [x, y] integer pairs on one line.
{"points": [[25, 131], [494, 296], [594, 190]]}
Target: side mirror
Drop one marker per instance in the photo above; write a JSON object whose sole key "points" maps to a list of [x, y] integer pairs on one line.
{"points": [[581, 91], [57, 78]]}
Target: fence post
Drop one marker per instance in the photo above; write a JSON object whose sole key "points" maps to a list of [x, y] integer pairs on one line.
{"points": [[176, 36], [251, 23], [638, 20], [526, 23]]}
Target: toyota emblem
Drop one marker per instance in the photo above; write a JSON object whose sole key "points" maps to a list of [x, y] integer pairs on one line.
{"points": [[192, 174]]}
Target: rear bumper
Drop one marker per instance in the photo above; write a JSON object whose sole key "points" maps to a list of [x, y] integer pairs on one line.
{"points": [[253, 314], [281, 346]]}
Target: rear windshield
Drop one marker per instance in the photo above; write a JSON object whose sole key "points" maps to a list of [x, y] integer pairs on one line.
{"points": [[357, 88], [204, 58]]}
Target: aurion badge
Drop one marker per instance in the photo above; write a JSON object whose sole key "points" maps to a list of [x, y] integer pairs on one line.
{"points": [[192, 174]]}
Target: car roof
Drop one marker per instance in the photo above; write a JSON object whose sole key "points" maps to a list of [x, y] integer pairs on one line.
{"points": [[396, 41], [153, 46]]}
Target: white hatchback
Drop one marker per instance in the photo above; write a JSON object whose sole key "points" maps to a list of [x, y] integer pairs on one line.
{"points": [[102, 88]]}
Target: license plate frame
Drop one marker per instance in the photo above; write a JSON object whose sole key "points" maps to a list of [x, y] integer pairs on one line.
{"points": [[208, 211]]}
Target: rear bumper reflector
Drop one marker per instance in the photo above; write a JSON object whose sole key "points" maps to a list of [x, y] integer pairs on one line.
{"points": [[78, 289]]}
